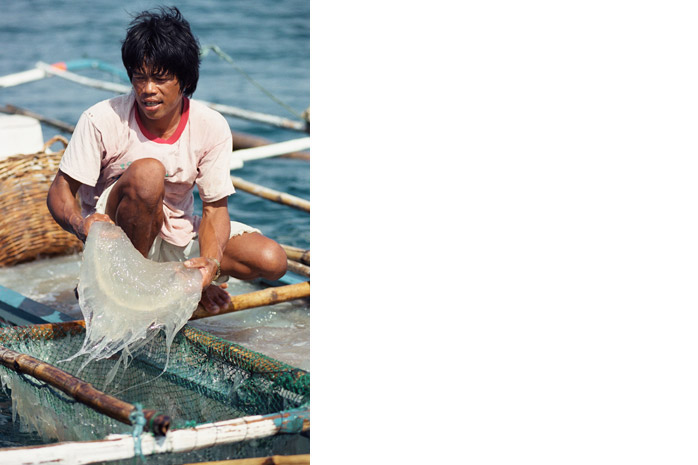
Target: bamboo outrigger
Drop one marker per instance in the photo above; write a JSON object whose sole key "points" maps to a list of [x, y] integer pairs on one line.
{"points": [[242, 141], [269, 296], [65, 70]]}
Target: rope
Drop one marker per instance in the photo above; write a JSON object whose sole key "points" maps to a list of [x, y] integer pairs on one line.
{"points": [[217, 50], [138, 421]]}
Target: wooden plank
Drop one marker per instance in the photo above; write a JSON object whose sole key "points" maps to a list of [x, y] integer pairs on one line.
{"points": [[19, 310], [302, 459]]}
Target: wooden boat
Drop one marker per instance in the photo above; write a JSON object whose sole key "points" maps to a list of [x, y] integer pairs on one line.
{"points": [[29, 234]]}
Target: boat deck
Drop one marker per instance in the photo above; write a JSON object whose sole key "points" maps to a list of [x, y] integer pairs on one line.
{"points": [[281, 331]]}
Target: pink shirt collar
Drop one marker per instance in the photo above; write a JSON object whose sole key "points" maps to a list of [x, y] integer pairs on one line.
{"points": [[180, 128]]}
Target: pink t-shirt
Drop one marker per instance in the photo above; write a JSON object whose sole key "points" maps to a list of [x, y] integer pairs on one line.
{"points": [[108, 138]]}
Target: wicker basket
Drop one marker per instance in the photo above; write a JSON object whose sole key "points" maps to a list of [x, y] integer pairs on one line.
{"points": [[27, 229]]}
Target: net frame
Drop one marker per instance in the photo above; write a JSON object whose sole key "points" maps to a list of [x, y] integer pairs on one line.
{"points": [[246, 383]]}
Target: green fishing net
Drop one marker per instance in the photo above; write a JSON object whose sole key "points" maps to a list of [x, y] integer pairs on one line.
{"points": [[208, 379]]}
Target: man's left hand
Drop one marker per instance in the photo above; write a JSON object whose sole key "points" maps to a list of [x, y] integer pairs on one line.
{"points": [[206, 266]]}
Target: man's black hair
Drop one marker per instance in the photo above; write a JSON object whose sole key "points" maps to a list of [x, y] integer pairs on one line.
{"points": [[162, 39]]}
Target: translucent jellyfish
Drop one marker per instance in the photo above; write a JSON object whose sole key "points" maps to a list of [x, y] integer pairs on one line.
{"points": [[127, 299]]}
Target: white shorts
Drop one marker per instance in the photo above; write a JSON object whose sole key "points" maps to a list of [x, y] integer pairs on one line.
{"points": [[163, 251]]}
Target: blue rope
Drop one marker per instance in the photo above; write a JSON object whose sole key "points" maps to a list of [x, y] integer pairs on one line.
{"points": [[138, 421], [77, 65]]}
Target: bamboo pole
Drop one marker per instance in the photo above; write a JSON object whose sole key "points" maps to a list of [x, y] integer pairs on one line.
{"points": [[81, 391], [82, 80], [241, 140], [269, 296], [298, 268], [13, 110], [247, 141], [249, 115], [225, 109], [302, 459], [275, 149], [22, 77], [271, 194], [297, 254]]}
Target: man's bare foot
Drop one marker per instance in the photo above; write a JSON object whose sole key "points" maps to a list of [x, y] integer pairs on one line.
{"points": [[214, 298]]}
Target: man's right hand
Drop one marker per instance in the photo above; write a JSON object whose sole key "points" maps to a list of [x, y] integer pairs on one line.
{"points": [[83, 228], [65, 209]]}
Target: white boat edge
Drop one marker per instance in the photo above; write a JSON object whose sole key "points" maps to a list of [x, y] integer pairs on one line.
{"points": [[123, 446]]}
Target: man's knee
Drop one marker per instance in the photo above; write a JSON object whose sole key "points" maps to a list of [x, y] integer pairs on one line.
{"points": [[252, 255], [272, 259], [144, 181]]}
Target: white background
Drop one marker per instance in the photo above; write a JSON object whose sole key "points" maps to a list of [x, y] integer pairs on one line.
{"points": [[504, 232]]}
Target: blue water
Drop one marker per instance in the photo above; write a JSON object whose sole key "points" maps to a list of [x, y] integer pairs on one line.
{"points": [[269, 40]]}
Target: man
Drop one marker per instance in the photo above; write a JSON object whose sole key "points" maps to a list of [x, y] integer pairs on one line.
{"points": [[135, 159]]}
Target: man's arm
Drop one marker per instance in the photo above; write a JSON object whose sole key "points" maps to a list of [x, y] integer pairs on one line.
{"points": [[214, 232], [65, 209]]}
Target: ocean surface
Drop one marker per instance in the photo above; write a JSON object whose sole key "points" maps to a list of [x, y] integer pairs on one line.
{"points": [[269, 43]]}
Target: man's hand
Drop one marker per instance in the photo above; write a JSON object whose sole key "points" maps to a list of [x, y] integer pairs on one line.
{"points": [[213, 298], [82, 225], [207, 266]]}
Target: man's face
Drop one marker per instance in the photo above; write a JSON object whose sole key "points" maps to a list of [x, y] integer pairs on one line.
{"points": [[158, 95]]}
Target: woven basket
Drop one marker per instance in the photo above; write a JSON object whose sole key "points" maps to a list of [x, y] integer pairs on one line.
{"points": [[27, 229]]}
